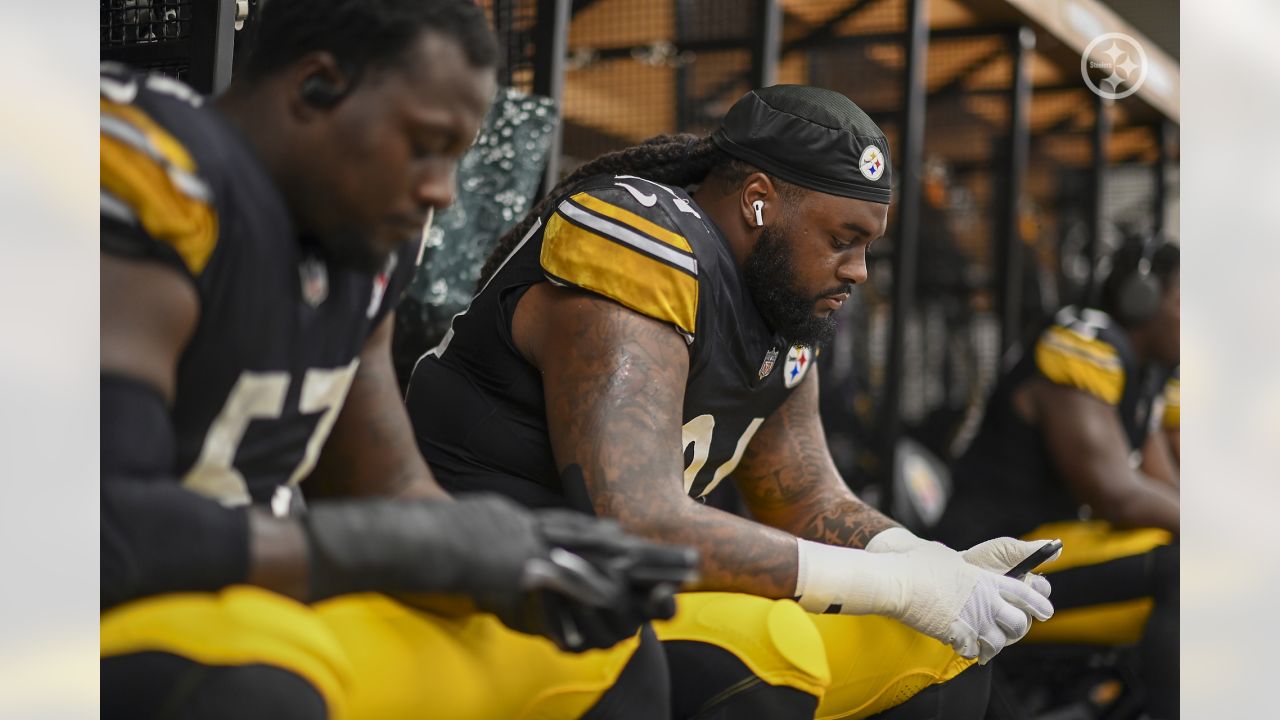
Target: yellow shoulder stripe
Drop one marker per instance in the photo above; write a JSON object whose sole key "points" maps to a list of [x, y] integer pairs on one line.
{"points": [[167, 212], [165, 144], [627, 217], [634, 279], [1070, 359], [1100, 351]]}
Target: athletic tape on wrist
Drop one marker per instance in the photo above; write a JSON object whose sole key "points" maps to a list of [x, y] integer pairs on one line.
{"points": [[819, 566]]}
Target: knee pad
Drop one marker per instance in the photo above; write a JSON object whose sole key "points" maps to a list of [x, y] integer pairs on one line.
{"points": [[775, 640]]}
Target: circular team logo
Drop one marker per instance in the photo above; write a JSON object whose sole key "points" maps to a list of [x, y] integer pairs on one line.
{"points": [[1114, 66], [799, 358], [872, 163]]}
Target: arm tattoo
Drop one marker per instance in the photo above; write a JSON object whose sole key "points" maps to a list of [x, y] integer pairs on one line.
{"points": [[614, 394], [789, 481]]}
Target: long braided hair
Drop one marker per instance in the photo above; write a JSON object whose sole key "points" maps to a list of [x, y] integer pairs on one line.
{"points": [[678, 160]]}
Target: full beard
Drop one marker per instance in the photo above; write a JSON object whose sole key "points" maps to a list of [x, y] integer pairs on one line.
{"points": [[771, 280]]}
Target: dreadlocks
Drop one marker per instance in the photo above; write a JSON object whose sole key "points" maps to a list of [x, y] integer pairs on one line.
{"points": [[678, 160]]}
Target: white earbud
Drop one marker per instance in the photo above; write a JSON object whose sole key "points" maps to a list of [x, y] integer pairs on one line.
{"points": [[758, 205]]}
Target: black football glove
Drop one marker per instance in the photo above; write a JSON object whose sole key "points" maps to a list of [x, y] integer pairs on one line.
{"points": [[596, 586], [579, 581]]}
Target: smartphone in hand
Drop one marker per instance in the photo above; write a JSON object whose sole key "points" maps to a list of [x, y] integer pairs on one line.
{"points": [[1032, 561]]}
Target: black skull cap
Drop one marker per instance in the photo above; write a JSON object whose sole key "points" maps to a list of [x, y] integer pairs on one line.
{"points": [[809, 136]]}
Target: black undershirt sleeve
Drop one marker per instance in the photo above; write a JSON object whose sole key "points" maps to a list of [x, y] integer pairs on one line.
{"points": [[156, 536]]}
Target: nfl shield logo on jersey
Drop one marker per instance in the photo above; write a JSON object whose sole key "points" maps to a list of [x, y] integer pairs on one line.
{"points": [[314, 277], [770, 358], [799, 358]]}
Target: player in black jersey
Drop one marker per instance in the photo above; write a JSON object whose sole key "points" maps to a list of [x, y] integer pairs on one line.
{"points": [[632, 345], [1070, 447], [253, 248]]}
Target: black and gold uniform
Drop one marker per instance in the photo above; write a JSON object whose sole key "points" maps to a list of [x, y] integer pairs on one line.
{"points": [[1007, 483], [280, 331], [649, 247], [258, 389]]}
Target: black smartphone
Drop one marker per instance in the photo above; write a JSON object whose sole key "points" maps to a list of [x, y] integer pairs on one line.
{"points": [[1032, 561]]}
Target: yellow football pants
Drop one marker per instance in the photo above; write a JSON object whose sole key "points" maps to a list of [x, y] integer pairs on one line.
{"points": [[856, 665], [1090, 543], [372, 657]]}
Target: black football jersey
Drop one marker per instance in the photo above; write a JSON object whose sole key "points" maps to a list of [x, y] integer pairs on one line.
{"points": [[477, 406], [1006, 483], [279, 330]]}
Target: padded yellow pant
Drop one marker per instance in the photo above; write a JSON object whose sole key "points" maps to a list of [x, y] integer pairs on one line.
{"points": [[371, 657], [1090, 543], [856, 665]]}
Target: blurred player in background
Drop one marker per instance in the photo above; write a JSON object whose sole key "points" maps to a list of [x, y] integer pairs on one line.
{"points": [[632, 345], [1071, 447], [252, 251], [1171, 417]]}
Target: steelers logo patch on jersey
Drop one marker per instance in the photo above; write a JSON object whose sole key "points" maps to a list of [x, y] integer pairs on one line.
{"points": [[799, 358]]}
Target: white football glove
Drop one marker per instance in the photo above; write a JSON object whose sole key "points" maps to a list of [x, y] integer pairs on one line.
{"points": [[929, 587], [998, 555]]}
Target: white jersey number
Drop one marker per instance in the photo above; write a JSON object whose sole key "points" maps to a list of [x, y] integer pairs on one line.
{"points": [[260, 396], [698, 431]]}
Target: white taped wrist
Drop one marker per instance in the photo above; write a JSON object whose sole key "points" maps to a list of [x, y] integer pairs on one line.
{"points": [[832, 579]]}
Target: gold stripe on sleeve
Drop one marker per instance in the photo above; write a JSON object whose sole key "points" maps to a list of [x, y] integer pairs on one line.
{"points": [[1067, 358], [616, 271], [167, 213], [626, 217], [164, 143]]}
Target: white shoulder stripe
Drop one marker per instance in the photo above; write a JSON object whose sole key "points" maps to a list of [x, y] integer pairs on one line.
{"points": [[190, 185], [116, 209], [627, 236], [128, 134]]}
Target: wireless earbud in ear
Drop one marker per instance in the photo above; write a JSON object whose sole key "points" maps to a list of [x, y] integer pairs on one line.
{"points": [[758, 205], [325, 92]]}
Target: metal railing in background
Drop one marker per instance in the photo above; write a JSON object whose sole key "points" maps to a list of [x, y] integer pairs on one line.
{"points": [[190, 40], [1013, 180]]}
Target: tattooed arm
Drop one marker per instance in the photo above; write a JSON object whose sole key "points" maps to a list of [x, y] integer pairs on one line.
{"points": [[614, 383], [371, 450], [789, 481]]}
